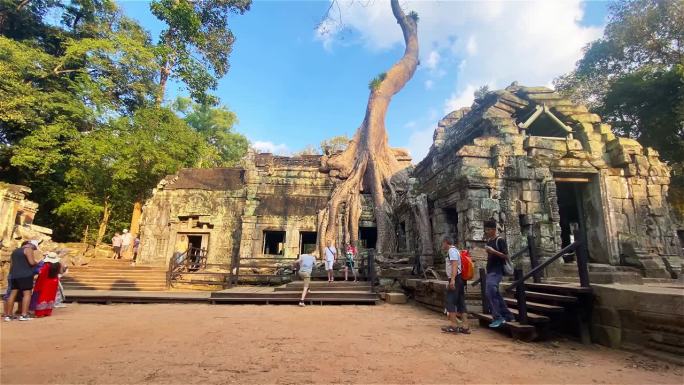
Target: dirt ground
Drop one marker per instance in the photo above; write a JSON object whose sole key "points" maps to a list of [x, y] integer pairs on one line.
{"points": [[127, 344]]}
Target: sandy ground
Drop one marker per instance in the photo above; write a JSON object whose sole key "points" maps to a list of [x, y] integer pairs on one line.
{"points": [[288, 345]]}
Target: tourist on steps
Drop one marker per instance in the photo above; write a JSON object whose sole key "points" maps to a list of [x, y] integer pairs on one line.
{"points": [[497, 253], [455, 293], [306, 264], [330, 258], [116, 245], [126, 241], [21, 271], [349, 261]]}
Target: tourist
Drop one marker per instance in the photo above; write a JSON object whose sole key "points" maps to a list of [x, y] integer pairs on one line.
{"points": [[126, 241], [330, 258], [349, 262], [116, 245], [497, 253], [455, 293], [21, 271], [136, 246], [45, 291], [180, 248], [306, 264]]}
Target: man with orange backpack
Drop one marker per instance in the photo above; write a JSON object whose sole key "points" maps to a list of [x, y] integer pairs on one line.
{"points": [[455, 294]]}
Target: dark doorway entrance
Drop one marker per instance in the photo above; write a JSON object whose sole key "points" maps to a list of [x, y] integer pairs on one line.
{"points": [[307, 241], [452, 222], [570, 210], [195, 241], [274, 242], [368, 236], [402, 243]]}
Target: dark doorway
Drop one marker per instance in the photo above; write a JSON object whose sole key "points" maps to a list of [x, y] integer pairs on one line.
{"points": [[274, 242], [307, 241], [368, 236], [570, 210], [195, 241], [401, 237], [452, 222]]}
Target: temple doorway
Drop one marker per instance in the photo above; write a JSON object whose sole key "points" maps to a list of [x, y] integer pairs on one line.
{"points": [[368, 236], [274, 242], [307, 241]]}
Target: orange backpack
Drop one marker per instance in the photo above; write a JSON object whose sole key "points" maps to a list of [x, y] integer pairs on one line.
{"points": [[467, 266]]}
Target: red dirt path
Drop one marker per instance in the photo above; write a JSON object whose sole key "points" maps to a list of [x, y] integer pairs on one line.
{"points": [[288, 345]]}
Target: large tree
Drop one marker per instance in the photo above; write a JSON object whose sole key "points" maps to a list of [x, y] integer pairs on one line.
{"points": [[634, 78], [368, 164], [196, 43]]}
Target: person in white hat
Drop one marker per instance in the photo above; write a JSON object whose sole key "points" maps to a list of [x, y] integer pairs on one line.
{"points": [[47, 284], [126, 241]]}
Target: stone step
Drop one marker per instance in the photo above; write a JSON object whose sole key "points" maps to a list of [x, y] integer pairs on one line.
{"points": [[309, 300], [115, 287], [300, 284], [299, 288], [550, 297], [533, 318], [535, 306], [98, 280], [517, 330], [558, 287], [314, 295]]}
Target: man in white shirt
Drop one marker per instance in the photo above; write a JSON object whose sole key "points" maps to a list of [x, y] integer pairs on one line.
{"points": [[126, 240], [455, 294], [306, 264], [330, 257]]}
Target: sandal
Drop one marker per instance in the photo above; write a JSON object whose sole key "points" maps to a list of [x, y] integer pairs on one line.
{"points": [[449, 329], [463, 330]]}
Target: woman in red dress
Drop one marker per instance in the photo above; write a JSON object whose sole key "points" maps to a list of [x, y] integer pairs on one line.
{"points": [[45, 290]]}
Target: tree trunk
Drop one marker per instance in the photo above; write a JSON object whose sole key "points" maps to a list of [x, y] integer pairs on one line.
{"points": [[104, 222], [368, 163], [164, 74], [135, 218], [419, 206]]}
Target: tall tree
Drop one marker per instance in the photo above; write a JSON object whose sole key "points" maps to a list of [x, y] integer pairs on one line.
{"points": [[196, 43], [634, 78], [368, 163], [224, 147]]}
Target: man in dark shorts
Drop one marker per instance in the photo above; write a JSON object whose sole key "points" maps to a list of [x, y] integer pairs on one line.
{"points": [[455, 294], [21, 272], [497, 253]]}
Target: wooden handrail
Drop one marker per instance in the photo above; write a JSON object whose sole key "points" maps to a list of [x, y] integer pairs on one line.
{"points": [[571, 247], [512, 257]]}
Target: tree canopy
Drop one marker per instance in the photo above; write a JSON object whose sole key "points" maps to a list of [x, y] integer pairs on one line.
{"points": [[80, 121]]}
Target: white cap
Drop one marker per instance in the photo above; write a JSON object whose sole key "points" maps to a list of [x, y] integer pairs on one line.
{"points": [[34, 242], [125, 231]]}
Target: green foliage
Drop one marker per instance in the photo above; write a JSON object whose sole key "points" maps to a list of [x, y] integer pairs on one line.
{"points": [[375, 83], [77, 213], [223, 147], [414, 15], [335, 144], [197, 42], [481, 92]]}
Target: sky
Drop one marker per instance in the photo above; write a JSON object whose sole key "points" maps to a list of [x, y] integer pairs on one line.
{"points": [[294, 82]]}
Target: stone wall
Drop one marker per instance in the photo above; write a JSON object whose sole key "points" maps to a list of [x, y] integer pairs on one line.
{"points": [[507, 157]]}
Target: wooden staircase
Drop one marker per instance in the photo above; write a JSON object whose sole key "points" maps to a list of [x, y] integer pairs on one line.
{"points": [[114, 274], [560, 307], [321, 292]]}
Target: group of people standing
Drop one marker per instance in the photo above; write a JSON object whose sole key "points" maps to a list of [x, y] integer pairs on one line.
{"points": [[497, 254], [39, 296], [122, 243], [307, 262]]}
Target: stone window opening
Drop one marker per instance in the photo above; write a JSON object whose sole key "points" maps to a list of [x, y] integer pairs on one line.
{"points": [[542, 122], [274, 242], [307, 242], [368, 236]]}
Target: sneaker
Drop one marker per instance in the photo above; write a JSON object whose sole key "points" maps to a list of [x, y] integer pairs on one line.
{"points": [[301, 304], [7, 318], [497, 322], [24, 318]]}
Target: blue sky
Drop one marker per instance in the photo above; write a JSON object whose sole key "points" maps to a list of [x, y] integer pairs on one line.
{"points": [[292, 86]]}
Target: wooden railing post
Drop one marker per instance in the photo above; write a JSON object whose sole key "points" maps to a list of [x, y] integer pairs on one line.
{"points": [[483, 291], [520, 296], [534, 258], [582, 258]]}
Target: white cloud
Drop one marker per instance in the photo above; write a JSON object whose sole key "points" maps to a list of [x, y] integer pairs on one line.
{"points": [[433, 60], [462, 99], [270, 147], [429, 84], [483, 42], [419, 143]]}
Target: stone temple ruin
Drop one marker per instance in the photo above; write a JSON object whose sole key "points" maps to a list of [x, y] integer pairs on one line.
{"points": [[538, 163]]}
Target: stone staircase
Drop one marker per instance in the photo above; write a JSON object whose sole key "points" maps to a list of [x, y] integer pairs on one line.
{"points": [[110, 274], [322, 292], [551, 307]]}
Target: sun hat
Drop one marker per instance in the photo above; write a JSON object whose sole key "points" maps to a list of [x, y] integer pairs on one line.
{"points": [[34, 242], [51, 257]]}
